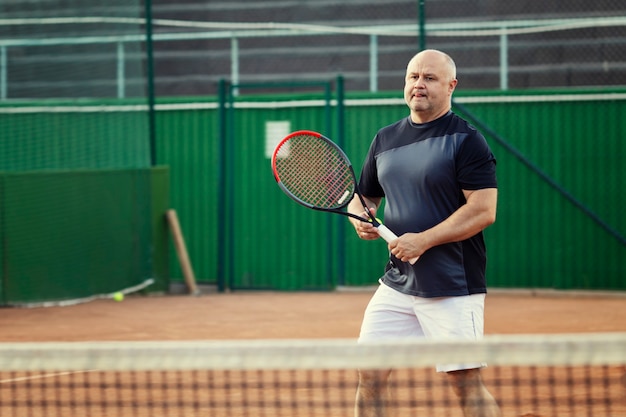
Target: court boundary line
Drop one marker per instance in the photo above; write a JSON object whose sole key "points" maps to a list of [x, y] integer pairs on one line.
{"points": [[43, 376]]}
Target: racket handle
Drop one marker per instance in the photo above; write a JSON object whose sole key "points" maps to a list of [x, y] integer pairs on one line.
{"points": [[388, 235]]}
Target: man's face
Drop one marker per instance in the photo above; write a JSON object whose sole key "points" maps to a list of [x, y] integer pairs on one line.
{"points": [[428, 87]]}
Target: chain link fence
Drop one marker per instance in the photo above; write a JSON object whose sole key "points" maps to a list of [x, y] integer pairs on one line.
{"points": [[496, 44]]}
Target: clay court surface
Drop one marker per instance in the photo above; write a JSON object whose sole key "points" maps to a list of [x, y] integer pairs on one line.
{"points": [[283, 315]]}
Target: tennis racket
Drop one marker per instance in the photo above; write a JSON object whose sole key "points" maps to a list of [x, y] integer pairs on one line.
{"points": [[316, 173]]}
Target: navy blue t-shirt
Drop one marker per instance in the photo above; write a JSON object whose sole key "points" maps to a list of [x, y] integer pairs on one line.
{"points": [[421, 170]]}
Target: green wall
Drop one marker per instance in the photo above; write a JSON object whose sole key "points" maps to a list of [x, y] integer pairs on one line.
{"points": [[74, 224], [540, 238], [70, 235], [81, 210], [73, 135]]}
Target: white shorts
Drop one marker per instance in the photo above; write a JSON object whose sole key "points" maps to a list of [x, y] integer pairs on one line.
{"points": [[391, 314]]}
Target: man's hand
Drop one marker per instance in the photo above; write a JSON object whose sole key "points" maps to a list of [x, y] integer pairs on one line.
{"points": [[408, 247], [365, 230]]}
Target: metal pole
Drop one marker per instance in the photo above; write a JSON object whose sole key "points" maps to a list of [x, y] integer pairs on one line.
{"points": [[234, 64], [422, 24], [228, 180], [121, 87], [221, 187], [150, 75], [373, 63], [341, 253], [504, 61], [3, 73]]}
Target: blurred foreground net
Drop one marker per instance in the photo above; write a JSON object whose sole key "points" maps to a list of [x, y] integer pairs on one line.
{"points": [[565, 375]]}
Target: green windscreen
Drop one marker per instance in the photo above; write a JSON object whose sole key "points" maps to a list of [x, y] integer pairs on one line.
{"points": [[75, 153]]}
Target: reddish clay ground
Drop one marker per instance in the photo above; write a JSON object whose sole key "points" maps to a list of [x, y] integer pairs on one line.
{"points": [[278, 315], [254, 315]]}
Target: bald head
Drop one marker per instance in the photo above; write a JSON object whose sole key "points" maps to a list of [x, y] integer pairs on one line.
{"points": [[438, 58], [429, 84]]}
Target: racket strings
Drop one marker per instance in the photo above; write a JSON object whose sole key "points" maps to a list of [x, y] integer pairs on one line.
{"points": [[315, 172]]}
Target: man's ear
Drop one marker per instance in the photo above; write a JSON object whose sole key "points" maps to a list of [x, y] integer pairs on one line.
{"points": [[452, 85]]}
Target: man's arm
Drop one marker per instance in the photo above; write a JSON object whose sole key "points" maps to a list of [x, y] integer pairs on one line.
{"points": [[476, 214]]}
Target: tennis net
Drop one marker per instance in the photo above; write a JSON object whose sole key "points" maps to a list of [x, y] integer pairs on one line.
{"points": [[538, 375]]}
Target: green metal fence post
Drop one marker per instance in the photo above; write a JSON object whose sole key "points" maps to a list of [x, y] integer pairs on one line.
{"points": [[221, 184], [150, 75], [341, 253]]}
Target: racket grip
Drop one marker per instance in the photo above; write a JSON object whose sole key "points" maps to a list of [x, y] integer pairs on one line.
{"points": [[385, 233], [388, 235]]}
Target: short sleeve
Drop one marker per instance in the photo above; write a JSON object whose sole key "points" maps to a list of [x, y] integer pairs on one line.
{"points": [[476, 164]]}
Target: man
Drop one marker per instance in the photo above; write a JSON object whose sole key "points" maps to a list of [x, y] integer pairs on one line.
{"points": [[437, 175]]}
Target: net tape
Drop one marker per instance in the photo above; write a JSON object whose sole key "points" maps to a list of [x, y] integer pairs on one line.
{"points": [[520, 350]]}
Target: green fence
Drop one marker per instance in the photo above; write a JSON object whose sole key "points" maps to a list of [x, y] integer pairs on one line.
{"points": [[540, 238], [72, 235], [82, 202], [559, 220], [74, 232]]}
